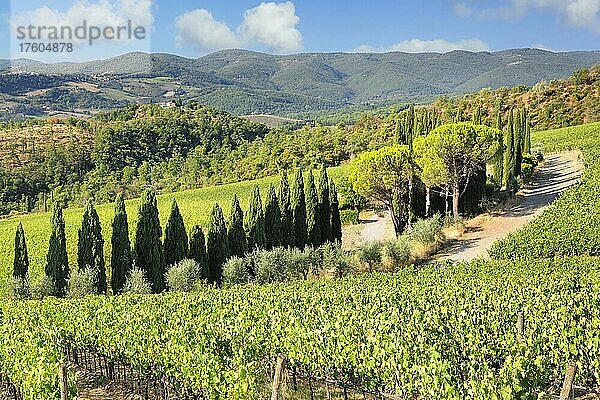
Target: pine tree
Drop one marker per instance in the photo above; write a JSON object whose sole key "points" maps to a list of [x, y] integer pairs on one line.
{"points": [[21, 260], [90, 246], [287, 214], [336, 222], [216, 245], [255, 222], [509, 154], [299, 207], [57, 265], [176, 239], [120, 261], [313, 215], [325, 207], [272, 220], [197, 250], [148, 245], [235, 232]]}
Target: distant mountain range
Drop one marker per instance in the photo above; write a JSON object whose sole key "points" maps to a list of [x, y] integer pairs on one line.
{"points": [[245, 82]]}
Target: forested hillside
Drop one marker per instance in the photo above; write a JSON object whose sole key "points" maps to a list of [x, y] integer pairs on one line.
{"points": [[244, 82]]}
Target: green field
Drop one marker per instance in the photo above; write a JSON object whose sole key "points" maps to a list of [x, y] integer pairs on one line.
{"points": [[195, 206]]}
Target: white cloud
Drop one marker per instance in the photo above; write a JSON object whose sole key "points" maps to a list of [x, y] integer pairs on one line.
{"points": [[199, 29], [463, 10], [101, 13], [577, 13], [272, 25], [540, 46], [428, 46]]}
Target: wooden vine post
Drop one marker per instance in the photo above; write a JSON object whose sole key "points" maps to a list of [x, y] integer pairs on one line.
{"points": [[63, 382], [278, 377], [568, 382]]}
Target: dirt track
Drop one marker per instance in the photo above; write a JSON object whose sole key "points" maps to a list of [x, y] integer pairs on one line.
{"points": [[558, 172]]}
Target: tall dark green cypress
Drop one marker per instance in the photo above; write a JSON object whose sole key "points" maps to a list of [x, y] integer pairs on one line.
{"points": [[313, 215], [299, 207], [527, 149], [255, 222], [325, 207], [499, 159], [176, 239], [120, 260], [272, 220], [509, 154], [57, 262], [216, 245], [21, 260], [518, 145], [287, 214], [336, 221], [90, 246], [235, 231], [197, 250], [148, 245]]}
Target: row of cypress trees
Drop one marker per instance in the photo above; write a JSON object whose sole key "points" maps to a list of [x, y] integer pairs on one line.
{"points": [[294, 216]]}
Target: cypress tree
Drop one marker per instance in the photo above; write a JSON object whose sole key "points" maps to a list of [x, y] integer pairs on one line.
{"points": [[176, 239], [509, 154], [325, 207], [477, 116], [90, 246], [287, 214], [148, 246], [527, 136], [216, 245], [313, 216], [57, 263], [235, 232], [255, 222], [518, 145], [336, 221], [272, 220], [299, 208], [120, 261], [21, 260], [499, 160], [197, 250]]}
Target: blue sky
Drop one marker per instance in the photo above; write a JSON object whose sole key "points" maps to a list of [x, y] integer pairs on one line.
{"points": [[196, 27]]}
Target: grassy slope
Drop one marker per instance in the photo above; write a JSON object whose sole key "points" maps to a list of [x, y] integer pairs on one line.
{"points": [[570, 226], [195, 206]]}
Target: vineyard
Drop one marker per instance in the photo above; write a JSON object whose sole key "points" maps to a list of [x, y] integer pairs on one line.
{"points": [[444, 332], [570, 226], [195, 206]]}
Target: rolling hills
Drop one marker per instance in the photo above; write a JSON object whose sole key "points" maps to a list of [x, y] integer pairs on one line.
{"points": [[244, 82]]}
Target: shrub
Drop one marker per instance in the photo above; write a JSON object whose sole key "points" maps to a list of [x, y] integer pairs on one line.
{"points": [[349, 217], [137, 282], [19, 289], [369, 254], [82, 283], [428, 231], [396, 253], [236, 271], [183, 275], [335, 260], [44, 288], [271, 265]]}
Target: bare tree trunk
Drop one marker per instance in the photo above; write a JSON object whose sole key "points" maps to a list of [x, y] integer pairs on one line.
{"points": [[395, 220], [427, 201], [455, 199]]}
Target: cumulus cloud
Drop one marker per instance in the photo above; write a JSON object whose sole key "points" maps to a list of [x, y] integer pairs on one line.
{"points": [[428, 46], [273, 25], [101, 13], [577, 13], [200, 29]]}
